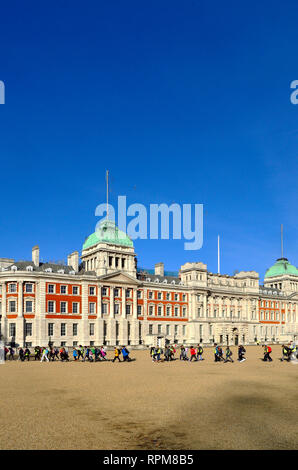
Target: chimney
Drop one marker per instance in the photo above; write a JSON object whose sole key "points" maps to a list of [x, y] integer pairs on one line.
{"points": [[159, 269], [73, 261], [35, 255]]}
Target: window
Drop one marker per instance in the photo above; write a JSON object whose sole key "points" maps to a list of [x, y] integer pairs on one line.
{"points": [[183, 330], [63, 343], [150, 309], [74, 343], [12, 329], [12, 288], [51, 306], [104, 291], [139, 294], [176, 296], [63, 329], [176, 311], [168, 329], [128, 292], [12, 306], [91, 329], [116, 309], [50, 329], [168, 311], [29, 306], [184, 312], [75, 307], [139, 309], [123, 262], [104, 308], [116, 292], [159, 310], [158, 328], [51, 289], [62, 289], [176, 330], [159, 296], [110, 261], [74, 329], [28, 288], [150, 329], [168, 296], [127, 309], [91, 307], [150, 295], [116, 262], [199, 311], [184, 297], [92, 290], [28, 329], [63, 307], [75, 290]]}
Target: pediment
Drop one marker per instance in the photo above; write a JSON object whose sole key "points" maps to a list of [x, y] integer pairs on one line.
{"points": [[294, 296], [120, 278]]}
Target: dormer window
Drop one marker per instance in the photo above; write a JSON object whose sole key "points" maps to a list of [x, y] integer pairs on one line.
{"points": [[48, 270], [60, 271], [29, 268], [14, 268], [156, 280]]}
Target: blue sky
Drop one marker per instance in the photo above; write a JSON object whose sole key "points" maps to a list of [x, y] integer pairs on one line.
{"points": [[185, 102]]}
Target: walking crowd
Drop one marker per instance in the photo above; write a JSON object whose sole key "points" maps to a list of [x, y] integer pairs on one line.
{"points": [[158, 354], [51, 354], [289, 353]]}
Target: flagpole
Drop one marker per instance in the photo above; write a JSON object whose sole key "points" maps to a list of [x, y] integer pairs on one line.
{"points": [[107, 174], [281, 240], [218, 256]]}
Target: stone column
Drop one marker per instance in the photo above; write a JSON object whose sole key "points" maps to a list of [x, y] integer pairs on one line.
{"points": [[204, 306], [112, 313], [135, 303], [20, 333], [123, 305], [4, 311], [84, 322]]}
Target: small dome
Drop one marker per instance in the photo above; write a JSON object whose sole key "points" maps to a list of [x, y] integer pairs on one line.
{"points": [[108, 232], [281, 267]]}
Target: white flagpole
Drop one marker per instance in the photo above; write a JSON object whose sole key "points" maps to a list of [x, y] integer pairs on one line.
{"points": [[218, 256], [107, 173], [281, 239]]}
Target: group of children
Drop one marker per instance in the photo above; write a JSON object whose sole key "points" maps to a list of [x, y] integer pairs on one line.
{"points": [[94, 354], [83, 353]]}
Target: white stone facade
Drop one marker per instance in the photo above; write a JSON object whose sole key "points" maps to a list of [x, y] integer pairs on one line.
{"points": [[106, 300]]}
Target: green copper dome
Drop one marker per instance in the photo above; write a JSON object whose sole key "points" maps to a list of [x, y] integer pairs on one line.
{"points": [[108, 232], [280, 267]]}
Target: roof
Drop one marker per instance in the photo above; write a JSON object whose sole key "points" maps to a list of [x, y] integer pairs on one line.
{"points": [[280, 268], [108, 232]]}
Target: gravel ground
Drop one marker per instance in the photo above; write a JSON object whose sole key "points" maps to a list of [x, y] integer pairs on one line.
{"points": [[144, 405]]}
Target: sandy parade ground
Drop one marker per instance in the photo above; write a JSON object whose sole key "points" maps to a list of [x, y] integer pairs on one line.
{"points": [[145, 405]]}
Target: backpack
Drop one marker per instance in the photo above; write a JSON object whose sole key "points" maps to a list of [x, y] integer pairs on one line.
{"points": [[269, 349]]}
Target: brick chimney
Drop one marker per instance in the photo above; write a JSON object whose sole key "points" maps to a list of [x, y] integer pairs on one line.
{"points": [[159, 269], [35, 255], [73, 261]]}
